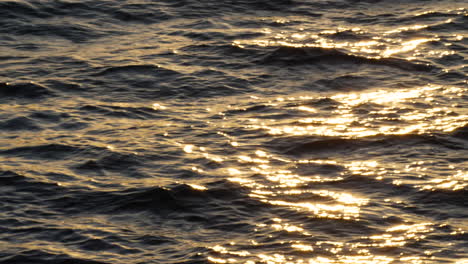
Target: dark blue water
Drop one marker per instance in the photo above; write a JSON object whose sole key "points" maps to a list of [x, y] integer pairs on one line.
{"points": [[300, 131]]}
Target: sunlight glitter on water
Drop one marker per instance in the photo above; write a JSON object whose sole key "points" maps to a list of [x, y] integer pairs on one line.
{"points": [[362, 257], [386, 107], [456, 182], [376, 44], [343, 252], [338, 211]]}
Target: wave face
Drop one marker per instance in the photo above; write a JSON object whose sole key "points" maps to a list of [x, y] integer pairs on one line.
{"points": [[201, 131]]}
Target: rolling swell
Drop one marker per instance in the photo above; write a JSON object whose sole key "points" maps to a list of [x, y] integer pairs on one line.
{"points": [[302, 146], [24, 90], [136, 69], [70, 32], [19, 123], [175, 201], [47, 151], [461, 132], [310, 55], [151, 81], [38, 256]]}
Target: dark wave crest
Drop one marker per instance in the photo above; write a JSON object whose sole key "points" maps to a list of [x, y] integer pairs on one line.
{"points": [[309, 55], [28, 90]]}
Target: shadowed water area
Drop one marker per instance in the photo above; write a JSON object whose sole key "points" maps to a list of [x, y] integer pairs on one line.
{"points": [[300, 131]]}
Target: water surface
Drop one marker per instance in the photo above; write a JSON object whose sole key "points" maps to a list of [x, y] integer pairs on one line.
{"points": [[239, 131]]}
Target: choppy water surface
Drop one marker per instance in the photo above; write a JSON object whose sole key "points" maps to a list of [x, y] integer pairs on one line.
{"points": [[191, 131]]}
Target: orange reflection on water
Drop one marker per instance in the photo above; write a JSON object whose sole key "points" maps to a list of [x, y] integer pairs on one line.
{"points": [[386, 108], [381, 45], [303, 247], [276, 258], [272, 259], [280, 226], [220, 260], [336, 211], [223, 250], [402, 29], [384, 96], [458, 181], [405, 47], [286, 178], [365, 168], [399, 235], [244, 158], [341, 197], [353, 259]]}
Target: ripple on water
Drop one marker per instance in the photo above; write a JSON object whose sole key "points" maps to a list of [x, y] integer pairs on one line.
{"points": [[233, 132]]}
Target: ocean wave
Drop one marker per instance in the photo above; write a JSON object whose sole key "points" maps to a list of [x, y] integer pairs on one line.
{"points": [[180, 198], [312, 55], [136, 69], [122, 112], [28, 90], [297, 146], [461, 132], [48, 151], [441, 197], [72, 32], [43, 257], [19, 123]]}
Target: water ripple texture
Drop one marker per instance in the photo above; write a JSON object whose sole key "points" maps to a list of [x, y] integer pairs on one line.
{"points": [[280, 131]]}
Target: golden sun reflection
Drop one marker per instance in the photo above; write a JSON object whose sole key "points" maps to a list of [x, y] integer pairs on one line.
{"points": [[303, 247], [297, 185], [343, 252], [379, 46], [223, 250], [157, 106], [364, 257], [458, 181], [336, 211], [189, 148], [405, 47], [346, 123], [280, 226], [399, 235], [365, 168], [402, 29]]}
